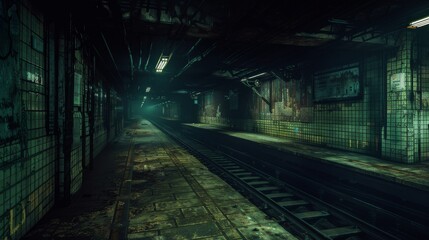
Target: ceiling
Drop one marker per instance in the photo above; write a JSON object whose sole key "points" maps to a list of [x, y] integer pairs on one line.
{"points": [[214, 42]]}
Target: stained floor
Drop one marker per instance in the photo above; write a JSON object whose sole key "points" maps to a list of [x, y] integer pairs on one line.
{"points": [[416, 175], [174, 196], [151, 188]]}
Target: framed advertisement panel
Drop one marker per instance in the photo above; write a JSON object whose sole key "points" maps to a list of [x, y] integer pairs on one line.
{"points": [[337, 84]]}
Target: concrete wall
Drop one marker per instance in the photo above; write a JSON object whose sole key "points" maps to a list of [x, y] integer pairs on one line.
{"points": [[183, 108]]}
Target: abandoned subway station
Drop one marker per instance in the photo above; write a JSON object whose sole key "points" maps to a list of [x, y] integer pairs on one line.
{"points": [[214, 119]]}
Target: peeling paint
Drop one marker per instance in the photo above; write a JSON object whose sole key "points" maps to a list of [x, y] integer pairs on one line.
{"points": [[16, 224]]}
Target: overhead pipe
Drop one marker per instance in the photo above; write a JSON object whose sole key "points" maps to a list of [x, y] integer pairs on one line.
{"points": [[255, 83], [116, 12], [196, 59], [110, 53], [277, 76], [194, 46], [140, 57], [98, 53], [148, 57], [129, 52], [243, 72], [264, 39], [263, 98]]}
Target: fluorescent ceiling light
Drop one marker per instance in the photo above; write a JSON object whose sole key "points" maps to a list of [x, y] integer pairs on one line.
{"points": [[148, 89], [257, 75], [419, 23], [254, 76], [338, 21], [162, 62]]}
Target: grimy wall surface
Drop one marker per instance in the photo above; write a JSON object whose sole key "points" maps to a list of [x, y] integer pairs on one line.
{"points": [[373, 101], [52, 99]]}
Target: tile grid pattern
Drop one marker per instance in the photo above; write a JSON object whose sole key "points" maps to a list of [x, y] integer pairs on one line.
{"points": [[100, 134], [415, 175], [174, 196], [395, 128], [422, 75], [27, 164], [399, 142], [27, 152], [349, 125]]}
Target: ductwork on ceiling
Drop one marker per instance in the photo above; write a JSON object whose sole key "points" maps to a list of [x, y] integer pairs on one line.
{"points": [[247, 36]]}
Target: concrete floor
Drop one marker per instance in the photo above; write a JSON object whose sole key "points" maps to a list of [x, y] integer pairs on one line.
{"points": [[415, 175], [147, 187]]}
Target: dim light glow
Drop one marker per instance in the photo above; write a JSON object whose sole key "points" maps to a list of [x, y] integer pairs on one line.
{"points": [[257, 75], [148, 89], [419, 23], [248, 81], [144, 100], [162, 62]]}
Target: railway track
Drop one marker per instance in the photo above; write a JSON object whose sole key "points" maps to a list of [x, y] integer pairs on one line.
{"points": [[304, 215]]}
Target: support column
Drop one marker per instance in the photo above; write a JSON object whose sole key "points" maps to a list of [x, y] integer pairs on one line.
{"points": [[398, 144], [91, 114], [68, 109]]}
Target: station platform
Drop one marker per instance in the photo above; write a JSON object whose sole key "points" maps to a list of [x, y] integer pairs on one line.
{"points": [[145, 186], [413, 176]]}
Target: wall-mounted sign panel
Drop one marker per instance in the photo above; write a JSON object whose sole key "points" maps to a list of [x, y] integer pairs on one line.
{"points": [[397, 82], [339, 84]]}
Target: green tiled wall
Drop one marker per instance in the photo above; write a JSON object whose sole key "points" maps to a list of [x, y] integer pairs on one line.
{"points": [[395, 129], [422, 73], [27, 150], [340, 124], [399, 124], [27, 166], [100, 131]]}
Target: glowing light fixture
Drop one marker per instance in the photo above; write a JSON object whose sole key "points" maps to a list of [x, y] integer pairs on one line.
{"points": [[148, 89], [144, 100], [252, 83], [162, 62], [419, 23], [257, 75]]}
